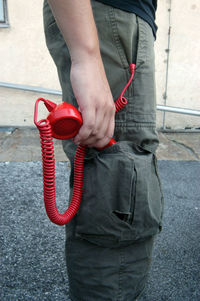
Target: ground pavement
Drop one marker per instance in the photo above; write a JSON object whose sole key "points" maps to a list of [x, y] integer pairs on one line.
{"points": [[32, 265]]}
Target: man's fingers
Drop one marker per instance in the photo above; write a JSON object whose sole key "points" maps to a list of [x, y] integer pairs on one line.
{"points": [[102, 138], [111, 127], [98, 127], [109, 134], [87, 127], [99, 131]]}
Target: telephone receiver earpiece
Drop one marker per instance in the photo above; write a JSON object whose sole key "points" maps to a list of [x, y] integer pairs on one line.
{"points": [[65, 121], [64, 118]]}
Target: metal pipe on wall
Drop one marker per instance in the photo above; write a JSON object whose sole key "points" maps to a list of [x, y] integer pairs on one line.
{"points": [[163, 108]]}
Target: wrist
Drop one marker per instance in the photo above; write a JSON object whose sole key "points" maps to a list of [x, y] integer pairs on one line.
{"points": [[85, 53]]}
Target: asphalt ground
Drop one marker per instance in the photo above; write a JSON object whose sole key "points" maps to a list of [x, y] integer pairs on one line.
{"points": [[32, 248], [32, 263]]}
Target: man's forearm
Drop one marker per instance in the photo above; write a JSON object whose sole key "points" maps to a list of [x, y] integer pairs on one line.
{"points": [[87, 75], [76, 22]]}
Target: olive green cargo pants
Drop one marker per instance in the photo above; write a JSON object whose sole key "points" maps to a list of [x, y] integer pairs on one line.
{"points": [[109, 242]]}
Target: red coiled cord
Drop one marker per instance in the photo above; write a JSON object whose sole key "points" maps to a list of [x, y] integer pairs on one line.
{"points": [[47, 147], [122, 101], [49, 176]]}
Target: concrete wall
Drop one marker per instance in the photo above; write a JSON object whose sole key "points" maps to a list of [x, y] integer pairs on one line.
{"points": [[25, 60], [177, 60]]}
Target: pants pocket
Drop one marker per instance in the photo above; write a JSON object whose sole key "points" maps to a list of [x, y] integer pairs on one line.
{"points": [[121, 198]]}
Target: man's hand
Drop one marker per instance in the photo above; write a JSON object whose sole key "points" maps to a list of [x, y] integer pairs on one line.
{"points": [[89, 82], [95, 102]]}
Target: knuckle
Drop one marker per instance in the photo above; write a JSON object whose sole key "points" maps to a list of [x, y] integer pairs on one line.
{"points": [[83, 135], [103, 142], [100, 136], [90, 125], [95, 132]]}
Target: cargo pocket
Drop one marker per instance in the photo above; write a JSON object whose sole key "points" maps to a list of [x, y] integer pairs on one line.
{"points": [[121, 198]]}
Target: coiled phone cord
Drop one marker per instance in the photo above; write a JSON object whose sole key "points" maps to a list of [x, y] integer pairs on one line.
{"points": [[48, 159]]}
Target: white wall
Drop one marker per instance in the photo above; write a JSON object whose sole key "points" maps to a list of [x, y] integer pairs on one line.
{"points": [[183, 80], [24, 59]]}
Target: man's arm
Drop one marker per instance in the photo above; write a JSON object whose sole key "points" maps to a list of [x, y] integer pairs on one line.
{"points": [[88, 78]]}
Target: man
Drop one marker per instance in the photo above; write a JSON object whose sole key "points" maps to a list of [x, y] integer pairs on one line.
{"points": [[93, 43]]}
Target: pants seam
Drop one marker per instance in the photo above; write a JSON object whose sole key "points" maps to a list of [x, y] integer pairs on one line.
{"points": [[122, 56], [142, 45], [121, 270], [116, 37]]}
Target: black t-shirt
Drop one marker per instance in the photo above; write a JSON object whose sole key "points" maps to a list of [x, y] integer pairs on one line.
{"points": [[145, 9]]}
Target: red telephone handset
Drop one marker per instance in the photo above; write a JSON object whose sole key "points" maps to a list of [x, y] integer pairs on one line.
{"points": [[64, 122]]}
